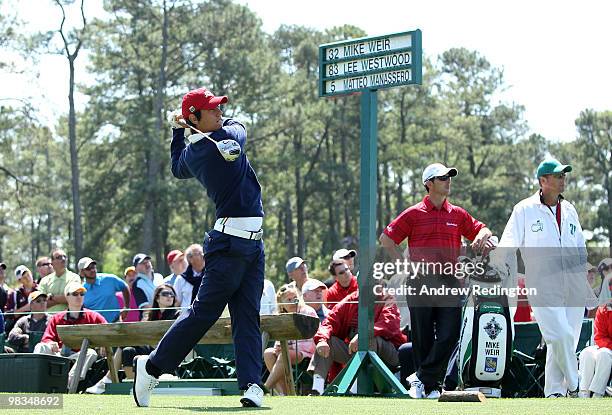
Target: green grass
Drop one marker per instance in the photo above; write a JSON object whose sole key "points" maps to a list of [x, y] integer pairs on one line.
{"points": [[124, 404]]}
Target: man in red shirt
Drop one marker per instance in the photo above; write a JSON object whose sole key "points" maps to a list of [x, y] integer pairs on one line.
{"points": [[52, 344], [345, 284], [434, 229], [341, 324]]}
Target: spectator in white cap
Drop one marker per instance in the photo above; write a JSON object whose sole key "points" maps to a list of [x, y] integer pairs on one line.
{"points": [[298, 271], [314, 295], [51, 342], [102, 289], [348, 255], [17, 301]]}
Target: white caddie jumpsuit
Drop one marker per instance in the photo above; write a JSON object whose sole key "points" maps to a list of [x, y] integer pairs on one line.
{"points": [[555, 266]]}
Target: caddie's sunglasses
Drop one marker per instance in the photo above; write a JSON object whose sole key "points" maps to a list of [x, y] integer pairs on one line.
{"points": [[442, 178]]}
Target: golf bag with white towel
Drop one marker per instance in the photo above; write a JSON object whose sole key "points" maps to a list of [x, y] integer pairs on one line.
{"points": [[485, 345]]}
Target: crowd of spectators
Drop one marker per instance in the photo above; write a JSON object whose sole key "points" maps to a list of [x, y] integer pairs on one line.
{"points": [[38, 303]]}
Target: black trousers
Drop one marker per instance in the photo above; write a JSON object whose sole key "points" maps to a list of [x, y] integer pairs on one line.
{"points": [[435, 334]]}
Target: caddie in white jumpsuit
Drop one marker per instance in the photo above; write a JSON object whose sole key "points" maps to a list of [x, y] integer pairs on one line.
{"points": [[546, 230]]}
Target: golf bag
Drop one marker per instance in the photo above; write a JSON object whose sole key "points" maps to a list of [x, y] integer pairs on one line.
{"points": [[485, 345]]}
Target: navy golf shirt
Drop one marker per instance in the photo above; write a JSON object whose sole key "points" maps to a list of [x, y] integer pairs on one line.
{"points": [[232, 185]]}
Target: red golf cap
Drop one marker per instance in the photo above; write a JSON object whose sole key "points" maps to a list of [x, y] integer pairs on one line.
{"points": [[200, 99], [172, 255]]}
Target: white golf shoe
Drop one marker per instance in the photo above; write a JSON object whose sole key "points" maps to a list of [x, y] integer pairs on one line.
{"points": [[100, 387], [434, 394], [417, 389], [143, 382], [253, 396]]}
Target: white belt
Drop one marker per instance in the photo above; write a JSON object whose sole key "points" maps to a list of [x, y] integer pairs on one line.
{"points": [[240, 233]]}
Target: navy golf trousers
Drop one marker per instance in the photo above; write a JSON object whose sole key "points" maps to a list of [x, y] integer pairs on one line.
{"points": [[233, 275]]}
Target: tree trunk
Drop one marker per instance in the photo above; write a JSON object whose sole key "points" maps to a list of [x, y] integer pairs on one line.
{"points": [[299, 201], [332, 223], [155, 204], [387, 188], [608, 187], [399, 193], [289, 242], [74, 167]]}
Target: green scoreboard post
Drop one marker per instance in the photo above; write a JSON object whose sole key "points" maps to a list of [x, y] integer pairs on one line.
{"points": [[364, 66]]}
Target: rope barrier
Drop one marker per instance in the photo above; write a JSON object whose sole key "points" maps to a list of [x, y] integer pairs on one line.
{"points": [[21, 313]]}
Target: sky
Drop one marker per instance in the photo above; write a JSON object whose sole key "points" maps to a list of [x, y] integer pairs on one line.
{"points": [[556, 55]]}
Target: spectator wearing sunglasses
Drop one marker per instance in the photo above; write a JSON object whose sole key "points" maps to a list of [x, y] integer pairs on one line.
{"points": [[546, 229], [434, 229], [43, 267], [345, 284], [36, 321], [53, 284], [76, 314], [289, 301], [164, 308], [165, 304]]}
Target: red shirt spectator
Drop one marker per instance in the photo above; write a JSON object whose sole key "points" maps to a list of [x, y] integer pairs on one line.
{"points": [[344, 317], [603, 326], [64, 319], [337, 293]]}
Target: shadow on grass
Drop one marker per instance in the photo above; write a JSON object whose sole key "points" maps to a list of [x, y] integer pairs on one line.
{"points": [[217, 409]]}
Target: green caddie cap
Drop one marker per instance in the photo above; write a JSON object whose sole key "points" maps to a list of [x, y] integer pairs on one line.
{"points": [[552, 166]]}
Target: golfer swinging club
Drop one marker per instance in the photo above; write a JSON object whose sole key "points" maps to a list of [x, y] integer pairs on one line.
{"points": [[234, 272]]}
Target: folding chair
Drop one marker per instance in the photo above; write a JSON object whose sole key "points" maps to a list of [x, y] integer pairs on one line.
{"points": [[197, 368], [529, 372]]}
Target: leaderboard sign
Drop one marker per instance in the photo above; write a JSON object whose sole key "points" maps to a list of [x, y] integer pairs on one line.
{"points": [[370, 63]]}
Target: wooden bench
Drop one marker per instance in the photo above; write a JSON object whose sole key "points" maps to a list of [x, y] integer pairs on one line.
{"points": [[282, 327]]}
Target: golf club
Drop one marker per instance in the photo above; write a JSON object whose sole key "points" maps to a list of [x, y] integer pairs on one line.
{"points": [[229, 149]]}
